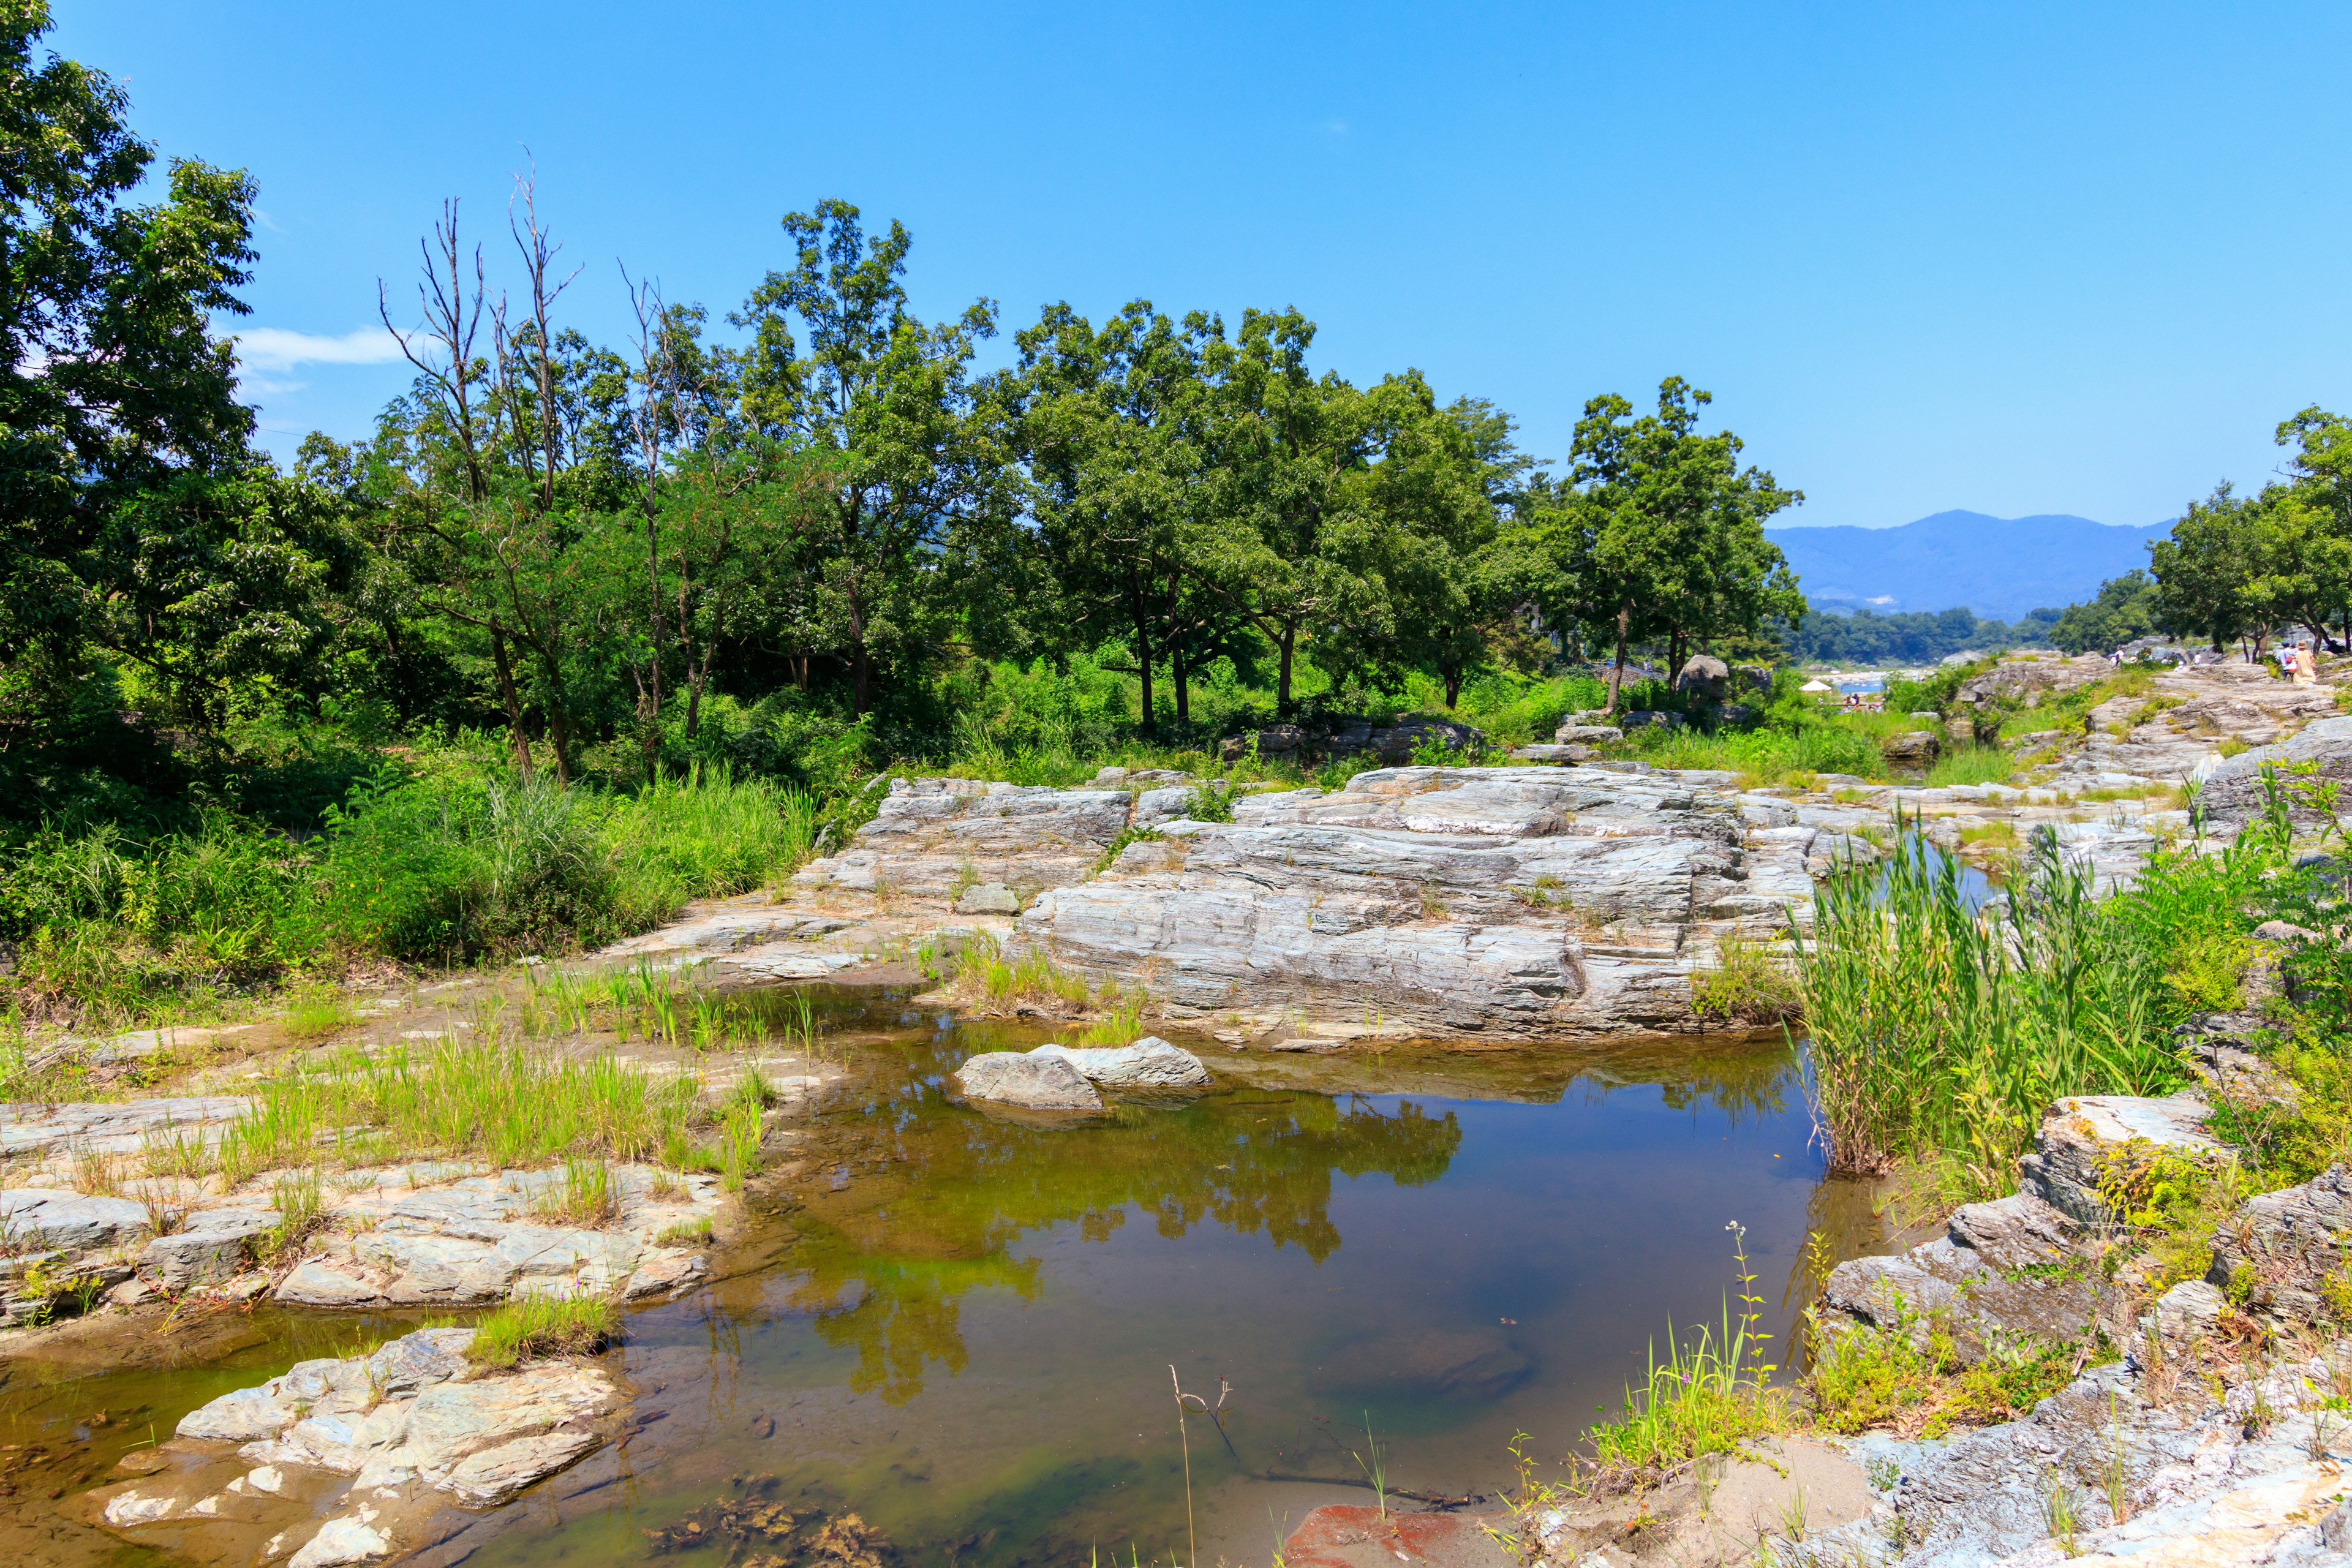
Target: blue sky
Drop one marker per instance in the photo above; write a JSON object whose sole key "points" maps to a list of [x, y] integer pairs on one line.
{"points": [[1991, 256]]}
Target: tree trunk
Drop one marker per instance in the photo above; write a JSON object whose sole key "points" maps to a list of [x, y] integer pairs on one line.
{"points": [[695, 680], [1617, 670], [513, 700], [1452, 675], [1142, 648], [1674, 657], [558, 724], [1176, 672], [651, 718], [1282, 687]]}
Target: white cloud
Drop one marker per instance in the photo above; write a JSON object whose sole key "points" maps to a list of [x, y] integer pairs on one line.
{"points": [[276, 349]]}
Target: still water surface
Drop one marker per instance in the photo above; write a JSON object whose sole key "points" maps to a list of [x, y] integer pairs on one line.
{"points": [[966, 1328]]}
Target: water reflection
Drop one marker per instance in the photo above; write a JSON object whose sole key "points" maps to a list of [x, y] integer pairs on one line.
{"points": [[908, 1202]]}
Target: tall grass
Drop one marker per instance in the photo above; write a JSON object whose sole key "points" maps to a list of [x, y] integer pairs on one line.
{"points": [[510, 1103], [1938, 1027], [1972, 765], [435, 869], [1763, 756], [540, 1326], [1707, 1396]]}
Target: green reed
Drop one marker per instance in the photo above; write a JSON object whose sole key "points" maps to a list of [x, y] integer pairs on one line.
{"points": [[1939, 1028]]}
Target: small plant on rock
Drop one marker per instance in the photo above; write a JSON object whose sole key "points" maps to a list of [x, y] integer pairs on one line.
{"points": [[540, 1326]]}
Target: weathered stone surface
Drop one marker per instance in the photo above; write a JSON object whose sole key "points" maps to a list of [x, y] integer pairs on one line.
{"points": [[1031, 1080], [2232, 792], [2033, 679], [988, 899], [350, 1460], [1572, 733], [38, 1218], [1911, 748], [1150, 1063], [2283, 1250], [2080, 1134], [214, 1246], [2003, 1272]]}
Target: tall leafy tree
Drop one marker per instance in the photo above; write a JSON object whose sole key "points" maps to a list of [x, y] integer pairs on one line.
{"points": [[1117, 429], [112, 389], [1657, 534], [1283, 539], [2206, 570], [917, 450]]}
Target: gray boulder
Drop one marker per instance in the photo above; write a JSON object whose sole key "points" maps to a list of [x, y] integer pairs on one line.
{"points": [[1706, 678], [1030, 1080], [2234, 793], [1150, 1063], [1573, 734]]}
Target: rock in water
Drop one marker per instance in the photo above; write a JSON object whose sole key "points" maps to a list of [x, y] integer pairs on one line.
{"points": [[1030, 1080], [1150, 1063], [351, 1461]]}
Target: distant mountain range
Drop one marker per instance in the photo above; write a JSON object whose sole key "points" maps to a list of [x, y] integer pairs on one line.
{"points": [[2000, 567]]}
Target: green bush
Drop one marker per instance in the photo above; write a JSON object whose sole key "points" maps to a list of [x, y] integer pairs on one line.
{"points": [[434, 868]]}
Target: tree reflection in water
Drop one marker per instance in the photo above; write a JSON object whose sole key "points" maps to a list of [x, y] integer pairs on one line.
{"points": [[909, 1201]]}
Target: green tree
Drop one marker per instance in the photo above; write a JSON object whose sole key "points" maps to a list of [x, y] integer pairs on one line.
{"points": [[917, 451], [1657, 534], [1283, 539], [1115, 430], [111, 385], [2206, 571]]}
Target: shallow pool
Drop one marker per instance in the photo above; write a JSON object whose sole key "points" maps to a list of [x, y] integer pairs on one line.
{"points": [[966, 1327]]}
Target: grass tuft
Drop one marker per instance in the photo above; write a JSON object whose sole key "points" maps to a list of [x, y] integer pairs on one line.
{"points": [[537, 1327]]}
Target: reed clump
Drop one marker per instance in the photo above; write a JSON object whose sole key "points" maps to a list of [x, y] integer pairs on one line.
{"points": [[1937, 1026]]}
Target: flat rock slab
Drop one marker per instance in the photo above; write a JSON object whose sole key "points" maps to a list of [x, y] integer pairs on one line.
{"points": [[351, 1460], [121, 1127]]}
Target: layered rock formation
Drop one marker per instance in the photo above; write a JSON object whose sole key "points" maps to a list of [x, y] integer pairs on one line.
{"points": [[1503, 902]]}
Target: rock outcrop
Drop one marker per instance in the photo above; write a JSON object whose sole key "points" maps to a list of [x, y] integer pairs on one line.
{"points": [[2003, 1272], [2283, 1252], [2234, 792], [421, 1234], [354, 1460], [1523, 902], [2085, 1137]]}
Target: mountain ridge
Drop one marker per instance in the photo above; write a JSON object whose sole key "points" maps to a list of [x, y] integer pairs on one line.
{"points": [[1998, 567]]}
